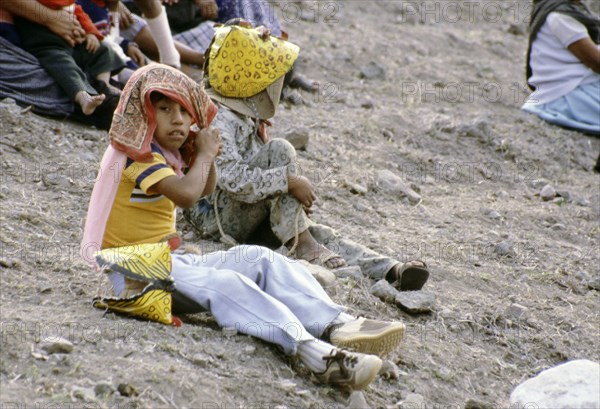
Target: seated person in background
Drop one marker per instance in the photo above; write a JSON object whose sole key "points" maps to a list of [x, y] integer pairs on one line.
{"points": [[104, 15], [563, 65], [260, 292], [155, 15], [260, 190], [72, 63], [135, 29], [26, 81], [192, 24]]}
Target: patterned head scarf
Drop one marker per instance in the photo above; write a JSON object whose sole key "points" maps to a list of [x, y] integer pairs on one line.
{"points": [[134, 120]]}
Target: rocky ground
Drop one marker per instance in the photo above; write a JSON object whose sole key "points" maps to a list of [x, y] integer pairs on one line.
{"points": [[418, 149]]}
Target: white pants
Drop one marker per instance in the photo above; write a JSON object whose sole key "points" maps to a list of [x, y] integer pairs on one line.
{"points": [[257, 291]]}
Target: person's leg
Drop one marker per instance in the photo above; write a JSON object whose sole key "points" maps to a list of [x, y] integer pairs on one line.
{"points": [[266, 295], [99, 65], [148, 45], [232, 285], [288, 219], [56, 56], [411, 275], [156, 16], [579, 109], [238, 219]]}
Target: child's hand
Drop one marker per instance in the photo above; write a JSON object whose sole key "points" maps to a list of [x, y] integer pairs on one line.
{"points": [[91, 43], [208, 9], [125, 17], [134, 52], [301, 188], [208, 142]]}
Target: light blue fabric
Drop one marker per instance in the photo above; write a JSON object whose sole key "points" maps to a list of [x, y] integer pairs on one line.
{"points": [[579, 109], [257, 291]]}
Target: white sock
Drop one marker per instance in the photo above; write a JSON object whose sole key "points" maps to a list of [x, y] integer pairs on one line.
{"points": [[159, 26], [343, 318], [312, 352]]}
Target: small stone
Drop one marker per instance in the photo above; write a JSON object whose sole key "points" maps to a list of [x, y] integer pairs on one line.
{"points": [[547, 193], [58, 346], [413, 400], [287, 385], [128, 390], [564, 194], [84, 394], [489, 213], [361, 207], [201, 360], [516, 312], [501, 194], [581, 201], [103, 389], [536, 183], [298, 137], [558, 226], [56, 180], [505, 249], [249, 350], [391, 183], [517, 29], [415, 302], [594, 283], [475, 404], [189, 235], [367, 104], [372, 71], [389, 370], [323, 275], [384, 290], [356, 188], [44, 288], [357, 401], [229, 331], [350, 271]]}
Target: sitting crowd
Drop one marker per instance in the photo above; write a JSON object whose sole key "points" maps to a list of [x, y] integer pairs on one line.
{"points": [[72, 57]]}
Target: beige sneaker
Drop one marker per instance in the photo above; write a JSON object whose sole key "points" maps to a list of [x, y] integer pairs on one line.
{"points": [[349, 369], [368, 336]]}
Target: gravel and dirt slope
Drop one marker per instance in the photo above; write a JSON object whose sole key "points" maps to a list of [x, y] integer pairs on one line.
{"points": [[428, 91]]}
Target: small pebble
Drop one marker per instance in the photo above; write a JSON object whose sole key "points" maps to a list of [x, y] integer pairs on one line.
{"points": [[547, 193], [58, 346]]}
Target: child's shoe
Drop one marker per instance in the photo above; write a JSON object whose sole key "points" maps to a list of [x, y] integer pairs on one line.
{"points": [[367, 336], [347, 369]]}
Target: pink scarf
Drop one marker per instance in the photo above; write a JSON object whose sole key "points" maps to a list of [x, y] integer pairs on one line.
{"points": [[131, 134]]}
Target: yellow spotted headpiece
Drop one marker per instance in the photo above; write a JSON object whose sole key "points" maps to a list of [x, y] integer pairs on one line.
{"points": [[242, 64]]}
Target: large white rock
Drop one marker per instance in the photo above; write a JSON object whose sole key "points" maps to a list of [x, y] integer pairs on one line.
{"points": [[573, 385]]}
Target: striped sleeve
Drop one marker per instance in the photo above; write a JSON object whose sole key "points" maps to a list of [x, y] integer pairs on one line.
{"points": [[147, 174]]}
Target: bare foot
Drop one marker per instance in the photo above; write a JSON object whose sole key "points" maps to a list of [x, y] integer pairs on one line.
{"points": [[310, 250], [87, 102], [322, 256]]}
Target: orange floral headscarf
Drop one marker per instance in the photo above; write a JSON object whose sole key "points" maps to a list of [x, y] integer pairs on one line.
{"points": [[134, 120]]}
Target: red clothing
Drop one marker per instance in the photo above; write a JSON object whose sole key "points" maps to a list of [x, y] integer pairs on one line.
{"points": [[85, 21]]}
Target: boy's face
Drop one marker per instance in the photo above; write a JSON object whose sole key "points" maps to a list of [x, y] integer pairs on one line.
{"points": [[172, 123]]}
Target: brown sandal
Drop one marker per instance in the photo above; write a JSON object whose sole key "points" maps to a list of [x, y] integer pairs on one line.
{"points": [[411, 276]]}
